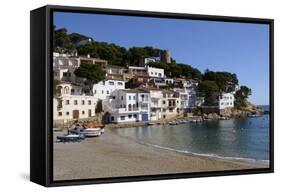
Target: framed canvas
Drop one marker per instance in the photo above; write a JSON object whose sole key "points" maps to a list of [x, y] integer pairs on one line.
{"points": [[121, 95]]}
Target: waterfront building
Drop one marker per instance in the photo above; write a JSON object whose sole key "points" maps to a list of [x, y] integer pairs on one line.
{"points": [[170, 104], [71, 103], [128, 105], [226, 100], [156, 97], [104, 88]]}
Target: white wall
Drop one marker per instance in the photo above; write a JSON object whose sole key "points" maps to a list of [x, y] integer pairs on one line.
{"points": [[104, 88], [155, 72], [226, 101], [15, 150]]}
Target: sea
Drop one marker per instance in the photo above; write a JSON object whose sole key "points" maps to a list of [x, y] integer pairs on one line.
{"points": [[237, 138]]}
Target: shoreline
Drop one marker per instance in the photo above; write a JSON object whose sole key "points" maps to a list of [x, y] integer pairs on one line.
{"points": [[258, 162], [111, 155]]}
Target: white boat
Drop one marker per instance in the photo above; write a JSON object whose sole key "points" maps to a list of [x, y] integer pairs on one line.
{"points": [[93, 132], [224, 118]]}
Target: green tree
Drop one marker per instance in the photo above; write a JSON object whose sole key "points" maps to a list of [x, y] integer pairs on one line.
{"points": [[226, 81], [241, 96], [92, 73], [62, 41], [76, 37], [210, 91], [98, 107]]}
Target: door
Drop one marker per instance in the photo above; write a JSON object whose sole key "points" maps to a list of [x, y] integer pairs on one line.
{"points": [[75, 114], [144, 117], [90, 113]]}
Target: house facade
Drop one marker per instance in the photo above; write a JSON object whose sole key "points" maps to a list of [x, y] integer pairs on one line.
{"points": [[128, 105], [226, 100], [104, 88], [71, 103], [155, 72], [170, 104]]}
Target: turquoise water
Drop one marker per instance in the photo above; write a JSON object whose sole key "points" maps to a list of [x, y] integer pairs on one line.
{"points": [[245, 138]]}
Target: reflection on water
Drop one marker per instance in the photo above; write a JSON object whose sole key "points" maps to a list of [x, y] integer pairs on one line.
{"points": [[242, 137]]}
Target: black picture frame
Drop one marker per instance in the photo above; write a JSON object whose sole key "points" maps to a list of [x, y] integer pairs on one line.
{"points": [[41, 139]]}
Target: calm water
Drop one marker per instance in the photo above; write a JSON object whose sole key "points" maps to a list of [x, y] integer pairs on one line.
{"points": [[235, 138]]}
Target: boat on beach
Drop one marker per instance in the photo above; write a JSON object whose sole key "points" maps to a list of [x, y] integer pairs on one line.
{"points": [[224, 118], [195, 120], [173, 123]]}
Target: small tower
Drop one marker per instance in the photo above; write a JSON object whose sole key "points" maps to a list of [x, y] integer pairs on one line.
{"points": [[165, 56]]}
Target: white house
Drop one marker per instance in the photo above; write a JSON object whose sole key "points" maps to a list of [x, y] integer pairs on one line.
{"points": [[170, 104], [72, 103], [104, 88], [155, 72], [184, 98], [226, 100], [128, 105], [156, 97], [64, 61]]}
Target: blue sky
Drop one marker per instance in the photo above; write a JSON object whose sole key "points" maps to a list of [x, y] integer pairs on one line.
{"points": [[240, 48]]}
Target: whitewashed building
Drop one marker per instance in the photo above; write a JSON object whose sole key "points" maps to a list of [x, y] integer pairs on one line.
{"points": [[128, 105], [226, 100], [155, 72], [156, 97], [170, 104], [72, 103], [64, 61], [104, 88]]}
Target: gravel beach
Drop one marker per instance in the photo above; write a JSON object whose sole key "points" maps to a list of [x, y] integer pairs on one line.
{"points": [[113, 156]]}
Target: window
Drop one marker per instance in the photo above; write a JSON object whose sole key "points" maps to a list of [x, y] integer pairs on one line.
{"points": [[107, 92], [164, 110], [151, 73], [112, 118], [102, 92], [89, 102], [170, 110], [83, 102], [164, 102], [111, 83], [122, 98], [122, 117], [120, 83], [134, 97], [95, 91], [67, 102], [129, 97], [130, 116], [67, 113], [64, 74], [83, 112], [113, 97], [75, 102], [135, 115], [60, 113]]}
